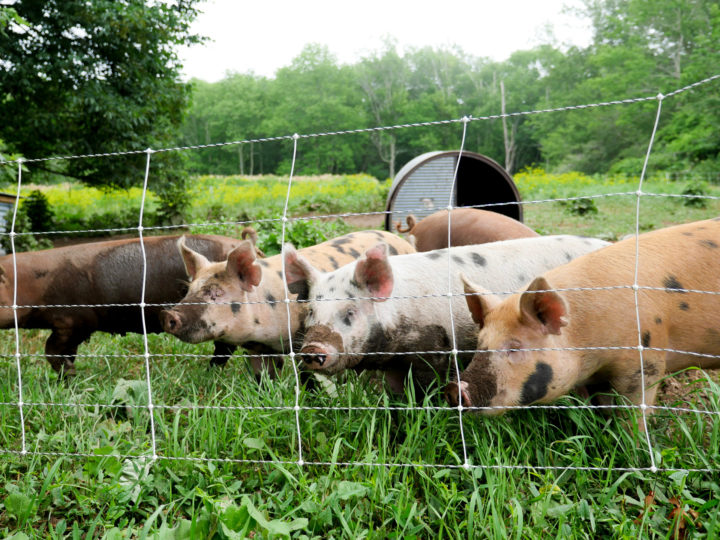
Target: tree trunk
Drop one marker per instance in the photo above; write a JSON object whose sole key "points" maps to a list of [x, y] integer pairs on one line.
{"points": [[508, 137]]}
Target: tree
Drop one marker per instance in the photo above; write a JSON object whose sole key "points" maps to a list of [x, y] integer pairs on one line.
{"points": [[383, 78], [83, 77]]}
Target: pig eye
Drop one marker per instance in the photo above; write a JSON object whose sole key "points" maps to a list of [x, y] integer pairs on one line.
{"points": [[349, 315]]}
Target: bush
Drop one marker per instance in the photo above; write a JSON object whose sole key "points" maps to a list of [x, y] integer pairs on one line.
{"points": [[695, 191], [25, 241], [579, 207]]}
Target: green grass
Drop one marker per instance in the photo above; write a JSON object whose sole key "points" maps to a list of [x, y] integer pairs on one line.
{"points": [[228, 467]]}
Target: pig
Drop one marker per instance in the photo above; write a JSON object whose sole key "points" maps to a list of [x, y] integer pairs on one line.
{"points": [[240, 300], [96, 273], [550, 314], [467, 226], [399, 304]]}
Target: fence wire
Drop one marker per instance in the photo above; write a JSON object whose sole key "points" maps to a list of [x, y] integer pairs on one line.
{"points": [[151, 406]]}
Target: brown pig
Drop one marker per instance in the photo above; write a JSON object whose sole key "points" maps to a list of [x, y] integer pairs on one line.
{"points": [[240, 300], [592, 337], [467, 226], [104, 276]]}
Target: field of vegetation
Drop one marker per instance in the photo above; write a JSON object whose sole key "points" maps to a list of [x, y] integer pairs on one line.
{"points": [[376, 464]]}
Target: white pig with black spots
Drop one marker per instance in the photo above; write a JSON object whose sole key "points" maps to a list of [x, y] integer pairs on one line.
{"points": [[393, 313]]}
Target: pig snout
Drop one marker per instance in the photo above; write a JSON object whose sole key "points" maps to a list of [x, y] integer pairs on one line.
{"points": [[322, 346], [454, 391], [315, 356], [171, 321]]}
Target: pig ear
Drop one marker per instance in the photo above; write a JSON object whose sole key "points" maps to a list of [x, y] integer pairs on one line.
{"points": [[299, 273], [373, 271], [193, 260], [241, 264], [479, 301], [545, 309]]}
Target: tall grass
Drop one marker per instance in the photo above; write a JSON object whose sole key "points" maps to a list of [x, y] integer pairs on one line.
{"points": [[375, 464]]}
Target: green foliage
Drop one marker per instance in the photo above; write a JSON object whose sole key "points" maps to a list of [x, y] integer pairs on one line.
{"points": [[94, 77], [579, 206], [37, 208], [638, 51], [695, 192], [33, 216]]}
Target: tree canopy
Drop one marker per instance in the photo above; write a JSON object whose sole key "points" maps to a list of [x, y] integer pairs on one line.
{"points": [[81, 77], [639, 49]]}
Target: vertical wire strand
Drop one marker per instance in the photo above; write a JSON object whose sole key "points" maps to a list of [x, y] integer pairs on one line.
{"points": [[150, 405], [643, 404], [454, 353], [287, 302], [15, 312]]}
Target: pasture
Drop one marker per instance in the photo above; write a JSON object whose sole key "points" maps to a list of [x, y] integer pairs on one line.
{"points": [[375, 464]]}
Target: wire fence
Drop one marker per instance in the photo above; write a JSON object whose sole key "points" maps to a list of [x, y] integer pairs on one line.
{"points": [[25, 446]]}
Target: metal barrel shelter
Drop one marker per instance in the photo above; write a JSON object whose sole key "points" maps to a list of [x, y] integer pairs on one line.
{"points": [[423, 186]]}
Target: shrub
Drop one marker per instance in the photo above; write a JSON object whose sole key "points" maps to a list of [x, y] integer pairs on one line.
{"points": [[695, 191]]}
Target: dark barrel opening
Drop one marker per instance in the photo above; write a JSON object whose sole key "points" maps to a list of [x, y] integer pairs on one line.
{"points": [[482, 182]]}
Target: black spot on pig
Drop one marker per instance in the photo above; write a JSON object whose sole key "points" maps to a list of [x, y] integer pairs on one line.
{"points": [[392, 250], [536, 385], [568, 257], [650, 370], [687, 233], [671, 282], [684, 306], [340, 242], [708, 244], [271, 299], [646, 339], [263, 262], [40, 274], [434, 255], [235, 307], [377, 339], [334, 262], [521, 278], [300, 288], [458, 259], [354, 252], [256, 320], [339, 248], [478, 259], [280, 274], [658, 320]]}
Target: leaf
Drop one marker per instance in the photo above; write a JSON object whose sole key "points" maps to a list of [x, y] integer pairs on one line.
{"points": [[19, 506], [275, 526], [257, 444], [347, 490], [18, 536]]}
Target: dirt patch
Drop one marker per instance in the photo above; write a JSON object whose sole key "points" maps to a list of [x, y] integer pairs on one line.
{"points": [[689, 389]]}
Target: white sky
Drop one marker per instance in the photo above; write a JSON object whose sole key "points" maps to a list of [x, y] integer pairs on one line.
{"points": [[264, 35]]}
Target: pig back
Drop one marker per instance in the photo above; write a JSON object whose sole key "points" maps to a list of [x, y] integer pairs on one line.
{"points": [[467, 226], [113, 274]]}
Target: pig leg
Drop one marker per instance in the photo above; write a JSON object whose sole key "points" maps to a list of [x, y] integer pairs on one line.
{"points": [[627, 380], [61, 349], [221, 354], [260, 363]]}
